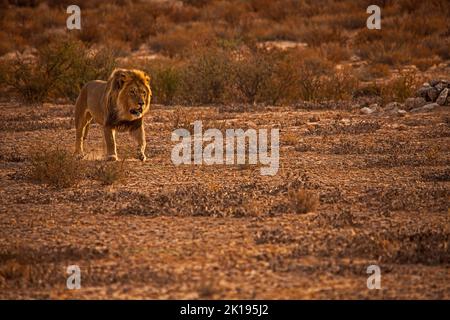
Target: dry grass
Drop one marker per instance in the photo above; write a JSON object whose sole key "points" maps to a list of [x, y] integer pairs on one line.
{"points": [[56, 167], [210, 46], [59, 70], [109, 173], [303, 201]]}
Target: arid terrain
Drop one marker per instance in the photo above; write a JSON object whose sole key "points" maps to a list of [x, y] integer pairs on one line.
{"points": [[364, 175], [225, 231]]}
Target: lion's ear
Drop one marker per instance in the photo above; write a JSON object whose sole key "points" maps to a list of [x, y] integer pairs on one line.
{"points": [[147, 79], [119, 77]]}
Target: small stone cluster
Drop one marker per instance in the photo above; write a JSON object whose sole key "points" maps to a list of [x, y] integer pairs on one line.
{"points": [[431, 95], [435, 91]]}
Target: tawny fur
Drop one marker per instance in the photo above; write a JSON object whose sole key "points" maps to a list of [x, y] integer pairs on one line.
{"points": [[118, 104]]}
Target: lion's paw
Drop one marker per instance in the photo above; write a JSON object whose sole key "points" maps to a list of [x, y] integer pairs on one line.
{"points": [[112, 157], [79, 156], [142, 157]]}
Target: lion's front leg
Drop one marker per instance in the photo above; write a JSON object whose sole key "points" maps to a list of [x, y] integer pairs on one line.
{"points": [[139, 136], [110, 140]]}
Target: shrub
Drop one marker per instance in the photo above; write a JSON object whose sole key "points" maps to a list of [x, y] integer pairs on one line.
{"points": [[61, 69], [303, 201], [56, 167], [401, 87], [28, 80], [250, 75], [206, 77], [109, 173], [312, 71], [179, 41], [166, 82], [340, 84], [282, 85]]}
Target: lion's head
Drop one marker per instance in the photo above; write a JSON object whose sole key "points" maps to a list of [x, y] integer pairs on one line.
{"points": [[129, 95]]}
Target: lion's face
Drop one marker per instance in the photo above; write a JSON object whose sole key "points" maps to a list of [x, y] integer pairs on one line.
{"points": [[134, 97]]}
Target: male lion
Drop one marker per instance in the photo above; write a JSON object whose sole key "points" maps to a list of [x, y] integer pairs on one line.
{"points": [[118, 104]]}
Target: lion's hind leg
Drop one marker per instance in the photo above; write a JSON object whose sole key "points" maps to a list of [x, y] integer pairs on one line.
{"points": [[86, 127], [82, 127], [82, 119]]}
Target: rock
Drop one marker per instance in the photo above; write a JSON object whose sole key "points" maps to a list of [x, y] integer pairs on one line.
{"points": [[423, 92], [401, 113], [375, 107], [412, 103], [426, 108], [441, 100], [392, 105], [426, 84], [433, 94], [440, 86], [434, 82], [366, 110], [397, 112]]}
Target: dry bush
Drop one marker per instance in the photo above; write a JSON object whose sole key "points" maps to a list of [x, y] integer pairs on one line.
{"points": [[27, 80], [335, 51], [206, 77], [275, 10], [61, 70], [227, 11], [166, 77], [374, 71], [400, 88], [55, 167], [109, 173], [6, 43], [340, 85], [267, 30], [303, 201], [191, 31], [166, 82], [179, 41], [312, 71], [285, 77], [250, 74], [290, 138], [315, 35]]}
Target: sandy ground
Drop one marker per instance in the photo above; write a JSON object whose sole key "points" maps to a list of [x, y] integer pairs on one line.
{"points": [[225, 231]]}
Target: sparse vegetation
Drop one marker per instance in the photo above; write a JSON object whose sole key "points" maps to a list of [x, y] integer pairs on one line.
{"points": [[55, 167], [230, 59], [375, 184], [59, 70], [109, 173], [303, 201]]}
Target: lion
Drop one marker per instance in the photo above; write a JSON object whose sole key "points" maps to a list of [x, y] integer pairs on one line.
{"points": [[118, 104]]}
